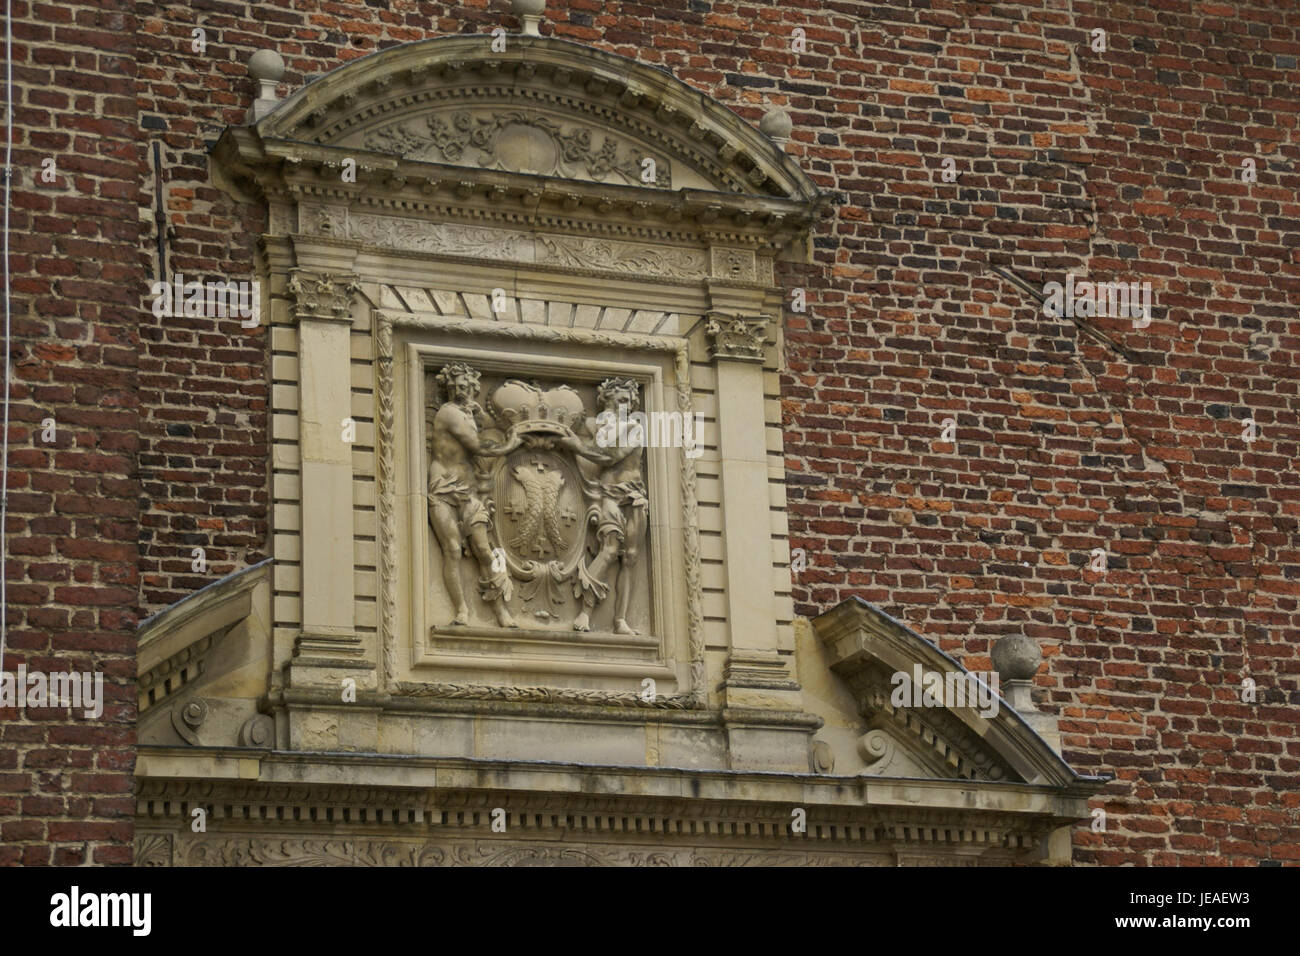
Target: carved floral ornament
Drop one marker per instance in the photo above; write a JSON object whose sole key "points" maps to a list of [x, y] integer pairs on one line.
{"points": [[739, 337], [522, 142], [596, 113], [322, 296]]}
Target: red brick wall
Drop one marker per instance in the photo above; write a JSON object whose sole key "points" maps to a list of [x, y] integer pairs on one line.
{"points": [[65, 781], [1124, 164], [1064, 445]]}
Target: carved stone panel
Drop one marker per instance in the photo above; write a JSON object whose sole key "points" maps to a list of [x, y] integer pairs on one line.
{"points": [[524, 142], [535, 505], [546, 548]]}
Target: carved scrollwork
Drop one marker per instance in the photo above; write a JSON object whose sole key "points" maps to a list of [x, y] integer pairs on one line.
{"points": [[188, 716], [620, 257], [521, 141]]}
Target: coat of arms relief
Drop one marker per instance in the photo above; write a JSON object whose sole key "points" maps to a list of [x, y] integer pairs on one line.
{"points": [[537, 503]]}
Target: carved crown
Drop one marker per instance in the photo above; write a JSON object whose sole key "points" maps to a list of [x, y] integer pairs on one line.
{"points": [[523, 407]]}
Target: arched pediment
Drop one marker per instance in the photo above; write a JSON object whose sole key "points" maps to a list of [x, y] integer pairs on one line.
{"points": [[544, 107]]}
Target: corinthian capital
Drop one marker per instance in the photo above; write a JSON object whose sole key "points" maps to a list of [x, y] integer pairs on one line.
{"points": [[739, 337], [323, 297]]}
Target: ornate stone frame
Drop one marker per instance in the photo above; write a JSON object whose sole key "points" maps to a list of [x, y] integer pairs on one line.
{"points": [[386, 322]]}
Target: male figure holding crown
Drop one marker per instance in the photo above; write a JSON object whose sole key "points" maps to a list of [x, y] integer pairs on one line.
{"points": [[619, 508], [457, 511]]}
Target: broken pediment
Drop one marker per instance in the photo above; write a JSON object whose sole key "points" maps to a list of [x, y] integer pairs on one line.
{"points": [[926, 715], [204, 664]]}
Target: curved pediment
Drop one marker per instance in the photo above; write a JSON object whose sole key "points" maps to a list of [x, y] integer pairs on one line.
{"points": [[544, 107]]}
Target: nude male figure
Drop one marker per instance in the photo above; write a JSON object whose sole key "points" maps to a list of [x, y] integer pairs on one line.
{"points": [[620, 511], [457, 511]]}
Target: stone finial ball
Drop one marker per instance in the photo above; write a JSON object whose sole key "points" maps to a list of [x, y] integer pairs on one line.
{"points": [[266, 65], [1016, 657], [532, 8], [776, 123]]}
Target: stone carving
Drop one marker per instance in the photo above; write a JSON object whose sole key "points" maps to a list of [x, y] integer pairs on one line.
{"points": [[620, 257], [736, 337], [257, 731], [537, 497], [548, 695], [524, 142], [618, 508], [323, 220], [739, 265], [262, 851], [522, 335], [323, 297], [823, 757], [217, 850], [585, 254], [442, 237], [153, 849], [457, 510], [188, 717]]}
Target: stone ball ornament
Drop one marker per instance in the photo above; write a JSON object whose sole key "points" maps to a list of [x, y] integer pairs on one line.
{"points": [[1016, 657], [266, 66], [776, 123]]}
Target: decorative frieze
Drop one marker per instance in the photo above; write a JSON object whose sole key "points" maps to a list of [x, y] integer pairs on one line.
{"points": [[585, 254], [522, 141]]}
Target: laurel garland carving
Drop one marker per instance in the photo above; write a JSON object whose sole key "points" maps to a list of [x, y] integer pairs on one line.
{"points": [[385, 323], [387, 466]]}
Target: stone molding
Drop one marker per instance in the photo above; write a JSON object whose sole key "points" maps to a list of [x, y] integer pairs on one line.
{"points": [[739, 819], [618, 93]]}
